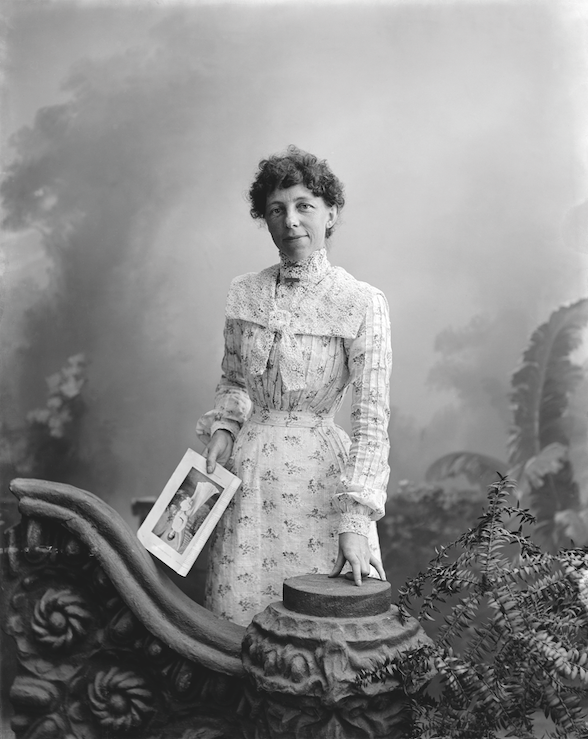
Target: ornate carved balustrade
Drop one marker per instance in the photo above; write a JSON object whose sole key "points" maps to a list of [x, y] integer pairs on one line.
{"points": [[107, 646]]}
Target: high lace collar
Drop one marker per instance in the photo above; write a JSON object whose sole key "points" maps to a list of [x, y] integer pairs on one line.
{"points": [[312, 269]]}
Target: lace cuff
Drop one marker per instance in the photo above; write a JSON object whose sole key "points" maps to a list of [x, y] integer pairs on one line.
{"points": [[213, 421], [357, 523], [355, 517]]}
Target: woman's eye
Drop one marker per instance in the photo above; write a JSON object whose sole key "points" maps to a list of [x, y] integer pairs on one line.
{"points": [[305, 206]]}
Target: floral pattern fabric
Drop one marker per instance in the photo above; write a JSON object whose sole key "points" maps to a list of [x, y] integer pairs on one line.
{"points": [[304, 480]]}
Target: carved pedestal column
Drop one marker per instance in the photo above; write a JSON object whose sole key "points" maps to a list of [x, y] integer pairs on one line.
{"points": [[303, 657]]}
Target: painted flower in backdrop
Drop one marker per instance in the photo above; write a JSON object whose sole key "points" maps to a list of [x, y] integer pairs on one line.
{"points": [[60, 619], [64, 388], [120, 700]]}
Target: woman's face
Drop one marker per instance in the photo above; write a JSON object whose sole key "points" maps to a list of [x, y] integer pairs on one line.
{"points": [[297, 221]]}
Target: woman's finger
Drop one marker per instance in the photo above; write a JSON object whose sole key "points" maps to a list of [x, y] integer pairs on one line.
{"points": [[378, 565], [211, 458], [356, 569], [338, 566], [357, 564]]}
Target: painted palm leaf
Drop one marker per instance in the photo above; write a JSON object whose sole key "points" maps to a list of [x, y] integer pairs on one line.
{"points": [[538, 443], [479, 469], [544, 381]]}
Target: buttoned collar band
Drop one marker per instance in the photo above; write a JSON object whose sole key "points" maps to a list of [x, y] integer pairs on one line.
{"points": [[310, 270]]}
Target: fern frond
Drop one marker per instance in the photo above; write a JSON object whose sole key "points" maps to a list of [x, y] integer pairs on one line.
{"points": [[460, 618]]}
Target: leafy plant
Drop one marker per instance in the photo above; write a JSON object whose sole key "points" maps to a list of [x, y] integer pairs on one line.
{"points": [[514, 639]]}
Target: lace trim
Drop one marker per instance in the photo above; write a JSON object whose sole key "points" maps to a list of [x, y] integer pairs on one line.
{"points": [[311, 269], [333, 305], [355, 523]]}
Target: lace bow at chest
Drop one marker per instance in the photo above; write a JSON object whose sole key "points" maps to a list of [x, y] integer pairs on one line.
{"points": [[333, 306]]}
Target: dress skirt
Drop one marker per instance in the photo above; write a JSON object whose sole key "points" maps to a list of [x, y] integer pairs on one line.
{"points": [[281, 522]]}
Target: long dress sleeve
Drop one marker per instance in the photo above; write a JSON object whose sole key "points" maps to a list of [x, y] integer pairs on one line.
{"points": [[361, 494], [232, 404]]}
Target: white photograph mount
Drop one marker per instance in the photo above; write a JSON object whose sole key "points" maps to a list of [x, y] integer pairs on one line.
{"points": [[185, 514]]}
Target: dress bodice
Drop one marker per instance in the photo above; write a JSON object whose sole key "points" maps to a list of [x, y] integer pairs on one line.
{"points": [[297, 336]]}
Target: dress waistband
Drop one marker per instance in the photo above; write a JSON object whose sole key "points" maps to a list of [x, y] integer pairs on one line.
{"points": [[307, 419]]}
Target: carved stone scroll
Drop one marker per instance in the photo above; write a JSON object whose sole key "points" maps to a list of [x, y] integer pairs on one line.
{"points": [[107, 647]]}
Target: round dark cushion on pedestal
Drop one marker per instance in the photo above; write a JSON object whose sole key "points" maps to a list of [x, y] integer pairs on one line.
{"points": [[320, 595]]}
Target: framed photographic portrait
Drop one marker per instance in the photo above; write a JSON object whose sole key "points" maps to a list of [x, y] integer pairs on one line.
{"points": [[185, 514]]}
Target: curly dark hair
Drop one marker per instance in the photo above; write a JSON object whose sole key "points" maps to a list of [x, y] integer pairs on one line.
{"points": [[295, 167]]}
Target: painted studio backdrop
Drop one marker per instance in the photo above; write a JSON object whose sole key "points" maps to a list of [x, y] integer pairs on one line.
{"points": [[131, 134]]}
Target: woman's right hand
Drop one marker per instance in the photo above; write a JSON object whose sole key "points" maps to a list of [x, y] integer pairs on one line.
{"points": [[218, 449]]}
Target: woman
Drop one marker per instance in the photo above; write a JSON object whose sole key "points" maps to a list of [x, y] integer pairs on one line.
{"points": [[297, 335]]}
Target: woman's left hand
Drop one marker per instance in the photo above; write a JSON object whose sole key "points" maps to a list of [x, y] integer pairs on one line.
{"points": [[355, 549]]}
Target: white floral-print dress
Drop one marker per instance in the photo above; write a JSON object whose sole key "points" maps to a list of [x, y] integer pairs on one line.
{"points": [[297, 335]]}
